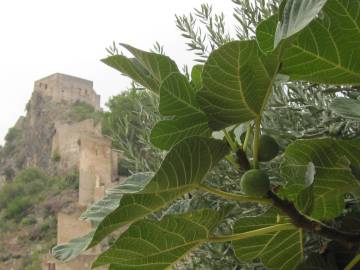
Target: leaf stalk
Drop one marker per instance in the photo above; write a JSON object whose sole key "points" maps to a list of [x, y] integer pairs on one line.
{"points": [[353, 262], [232, 196], [247, 136], [262, 231], [231, 142], [256, 142]]}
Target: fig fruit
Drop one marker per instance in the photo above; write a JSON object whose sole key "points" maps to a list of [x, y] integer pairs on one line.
{"points": [[269, 148], [255, 183]]}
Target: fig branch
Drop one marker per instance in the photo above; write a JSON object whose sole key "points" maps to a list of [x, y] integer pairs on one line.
{"points": [[296, 218], [247, 136], [301, 221], [233, 196]]}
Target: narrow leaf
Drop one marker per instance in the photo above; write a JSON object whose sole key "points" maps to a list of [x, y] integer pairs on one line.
{"points": [[347, 108]]}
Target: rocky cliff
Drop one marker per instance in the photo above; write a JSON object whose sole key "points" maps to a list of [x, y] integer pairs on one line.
{"points": [[40, 162], [29, 142]]}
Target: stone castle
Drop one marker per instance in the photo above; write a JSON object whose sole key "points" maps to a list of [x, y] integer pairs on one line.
{"points": [[60, 87], [78, 146]]}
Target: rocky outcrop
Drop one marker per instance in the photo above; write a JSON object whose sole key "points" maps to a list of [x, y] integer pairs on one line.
{"points": [[57, 100]]}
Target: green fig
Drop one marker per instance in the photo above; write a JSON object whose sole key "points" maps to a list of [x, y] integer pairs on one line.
{"points": [[255, 183], [268, 148]]}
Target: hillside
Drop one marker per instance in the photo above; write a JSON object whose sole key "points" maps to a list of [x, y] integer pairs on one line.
{"points": [[29, 141], [28, 207], [39, 168]]}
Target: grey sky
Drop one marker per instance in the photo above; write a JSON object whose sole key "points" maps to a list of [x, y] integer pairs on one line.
{"points": [[41, 37]]}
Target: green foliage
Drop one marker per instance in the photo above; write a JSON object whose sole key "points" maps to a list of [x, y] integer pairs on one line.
{"points": [[215, 31], [269, 148], [11, 139], [239, 81], [12, 135], [179, 235], [56, 157], [147, 69], [292, 19], [161, 190], [9, 173], [347, 108], [128, 122], [230, 94], [27, 211], [97, 212], [255, 183], [196, 79], [277, 249], [81, 111], [316, 261], [19, 196], [334, 39], [333, 176], [177, 98], [173, 99], [17, 207], [69, 181]]}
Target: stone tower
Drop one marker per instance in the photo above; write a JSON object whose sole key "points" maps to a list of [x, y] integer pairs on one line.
{"points": [[51, 110], [80, 146], [61, 87], [66, 143]]}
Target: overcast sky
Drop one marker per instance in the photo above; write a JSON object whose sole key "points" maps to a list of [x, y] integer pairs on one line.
{"points": [[41, 37]]}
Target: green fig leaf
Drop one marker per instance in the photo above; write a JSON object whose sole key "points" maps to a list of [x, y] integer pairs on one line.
{"points": [[140, 247], [177, 98], [332, 177], [237, 81]]}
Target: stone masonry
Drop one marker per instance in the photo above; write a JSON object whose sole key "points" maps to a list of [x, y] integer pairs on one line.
{"points": [[96, 173], [66, 142], [50, 110], [79, 146], [61, 87]]}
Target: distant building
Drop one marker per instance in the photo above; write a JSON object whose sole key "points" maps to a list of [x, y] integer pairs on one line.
{"points": [[61, 87], [79, 146]]}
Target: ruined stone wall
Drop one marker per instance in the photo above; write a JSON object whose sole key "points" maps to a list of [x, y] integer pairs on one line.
{"points": [[66, 143], [61, 87], [80, 263], [115, 155], [96, 173], [72, 146], [70, 227]]}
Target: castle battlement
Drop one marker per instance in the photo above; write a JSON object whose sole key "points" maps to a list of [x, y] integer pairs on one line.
{"points": [[62, 87]]}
